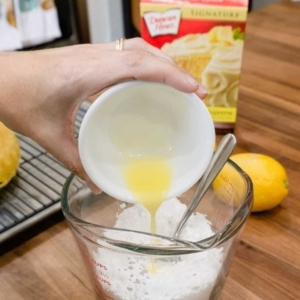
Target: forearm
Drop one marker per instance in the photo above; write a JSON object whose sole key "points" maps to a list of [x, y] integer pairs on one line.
{"points": [[41, 91], [26, 85], [11, 87]]}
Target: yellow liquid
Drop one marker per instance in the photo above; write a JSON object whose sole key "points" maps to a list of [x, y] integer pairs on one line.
{"points": [[154, 269], [149, 180]]}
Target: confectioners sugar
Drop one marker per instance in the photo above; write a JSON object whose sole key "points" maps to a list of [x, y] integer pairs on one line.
{"points": [[186, 277]]}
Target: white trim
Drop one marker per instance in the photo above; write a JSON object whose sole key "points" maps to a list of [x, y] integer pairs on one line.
{"points": [[106, 20]]}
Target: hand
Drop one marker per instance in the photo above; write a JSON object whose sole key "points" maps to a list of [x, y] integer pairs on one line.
{"points": [[41, 91]]}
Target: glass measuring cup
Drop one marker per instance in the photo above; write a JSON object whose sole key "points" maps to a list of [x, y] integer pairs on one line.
{"points": [[126, 262]]}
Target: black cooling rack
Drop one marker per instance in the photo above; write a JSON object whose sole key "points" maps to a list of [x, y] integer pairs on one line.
{"points": [[34, 193]]}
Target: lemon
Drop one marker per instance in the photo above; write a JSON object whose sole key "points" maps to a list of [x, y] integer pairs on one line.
{"points": [[221, 34], [212, 35], [270, 182], [9, 155]]}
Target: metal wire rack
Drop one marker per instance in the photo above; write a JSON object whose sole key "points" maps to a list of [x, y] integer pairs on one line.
{"points": [[34, 193]]}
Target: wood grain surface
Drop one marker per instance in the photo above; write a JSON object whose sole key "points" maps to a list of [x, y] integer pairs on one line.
{"points": [[267, 262]]}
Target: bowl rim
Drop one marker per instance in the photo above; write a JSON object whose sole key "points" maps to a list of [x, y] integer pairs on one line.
{"points": [[177, 247]]}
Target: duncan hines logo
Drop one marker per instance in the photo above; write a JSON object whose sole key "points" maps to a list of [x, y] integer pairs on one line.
{"points": [[163, 23]]}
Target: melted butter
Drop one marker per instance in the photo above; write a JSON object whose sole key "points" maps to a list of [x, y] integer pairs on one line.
{"points": [[154, 269], [142, 136], [149, 180]]}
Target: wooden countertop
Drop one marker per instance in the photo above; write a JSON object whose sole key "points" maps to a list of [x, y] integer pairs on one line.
{"points": [[267, 263]]}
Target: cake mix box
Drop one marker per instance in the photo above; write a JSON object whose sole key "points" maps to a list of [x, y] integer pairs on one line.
{"points": [[205, 37]]}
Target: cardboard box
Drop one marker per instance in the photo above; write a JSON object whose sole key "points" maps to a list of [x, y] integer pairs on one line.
{"points": [[205, 37]]}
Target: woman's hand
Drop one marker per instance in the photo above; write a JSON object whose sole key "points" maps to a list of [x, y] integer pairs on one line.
{"points": [[41, 91]]}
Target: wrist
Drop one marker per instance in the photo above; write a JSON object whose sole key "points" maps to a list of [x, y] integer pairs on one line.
{"points": [[10, 87]]}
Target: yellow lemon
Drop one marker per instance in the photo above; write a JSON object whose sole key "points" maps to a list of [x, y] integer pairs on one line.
{"points": [[221, 34], [9, 155], [212, 35], [270, 182]]}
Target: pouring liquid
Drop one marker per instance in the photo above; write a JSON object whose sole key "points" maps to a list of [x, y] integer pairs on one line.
{"points": [[149, 180], [143, 138]]}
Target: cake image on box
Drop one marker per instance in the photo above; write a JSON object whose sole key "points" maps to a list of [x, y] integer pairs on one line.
{"points": [[206, 38], [214, 59]]}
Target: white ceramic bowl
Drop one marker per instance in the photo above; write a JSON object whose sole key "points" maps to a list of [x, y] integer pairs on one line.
{"points": [[145, 119]]}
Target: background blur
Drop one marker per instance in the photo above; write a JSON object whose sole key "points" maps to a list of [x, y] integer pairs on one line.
{"points": [[34, 24]]}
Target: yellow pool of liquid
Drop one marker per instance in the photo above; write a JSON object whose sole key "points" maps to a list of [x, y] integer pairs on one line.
{"points": [[154, 269], [149, 180]]}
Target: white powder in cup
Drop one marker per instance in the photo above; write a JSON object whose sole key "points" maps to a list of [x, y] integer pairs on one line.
{"points": [[140, 277]]}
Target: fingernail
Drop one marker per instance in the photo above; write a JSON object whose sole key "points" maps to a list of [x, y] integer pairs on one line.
{"points": [[93, 187], [203, 91], [192, 81]]}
